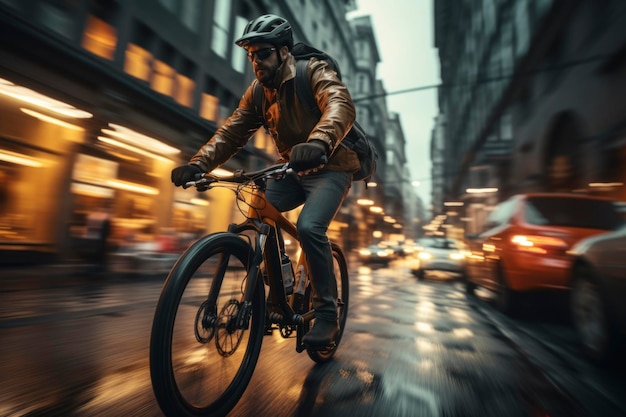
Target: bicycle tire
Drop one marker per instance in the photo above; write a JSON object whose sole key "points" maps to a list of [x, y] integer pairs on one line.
{"points": [[193, 376], [340, 267]]}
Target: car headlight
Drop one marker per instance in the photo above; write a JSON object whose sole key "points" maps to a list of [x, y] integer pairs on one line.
{"points": [[365, 252], [424, 255], [457, 256], [383, 253]]}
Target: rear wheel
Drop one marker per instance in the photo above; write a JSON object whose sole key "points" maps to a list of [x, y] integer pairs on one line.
{"points": [[468, 285], [202, 355], [420, 274], [507, 299], [340, 267], [590, 316]]}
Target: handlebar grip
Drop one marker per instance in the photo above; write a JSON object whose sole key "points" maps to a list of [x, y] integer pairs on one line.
{"points": [[323, 161]]}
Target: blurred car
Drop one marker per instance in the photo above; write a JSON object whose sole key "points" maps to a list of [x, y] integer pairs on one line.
{"points": [[423, 241], [376, 254], [598, 293], [525, 241], [439, 254]]}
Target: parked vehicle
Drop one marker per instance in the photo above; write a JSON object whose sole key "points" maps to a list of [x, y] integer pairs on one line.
{"points": [[525, 241], [376, 254], [439, 254], [598, 294]]}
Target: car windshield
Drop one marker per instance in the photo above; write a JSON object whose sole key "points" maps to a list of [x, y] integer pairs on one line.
{"points": [[443, 244], [572, 212]]}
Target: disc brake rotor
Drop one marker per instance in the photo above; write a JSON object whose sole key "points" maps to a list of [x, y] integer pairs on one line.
{"points": [[228, 336]]}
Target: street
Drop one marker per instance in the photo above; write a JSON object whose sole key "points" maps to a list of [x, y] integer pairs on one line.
{"points": [[410, 349]]}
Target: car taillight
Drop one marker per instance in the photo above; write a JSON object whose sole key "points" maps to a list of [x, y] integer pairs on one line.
{"points": [[538, 244]]}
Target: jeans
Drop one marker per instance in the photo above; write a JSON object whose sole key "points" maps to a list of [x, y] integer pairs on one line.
{"points": [[322, 193]]}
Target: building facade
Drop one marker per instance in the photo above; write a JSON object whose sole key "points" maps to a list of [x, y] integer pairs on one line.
{"points": [[531, 98], [100, 100]]}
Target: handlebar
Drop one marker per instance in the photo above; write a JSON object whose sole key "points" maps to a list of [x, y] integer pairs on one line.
{"points": [[204, 181]]}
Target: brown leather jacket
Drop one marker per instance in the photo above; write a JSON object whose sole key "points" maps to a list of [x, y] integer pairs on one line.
{"points": [[289, 123]]}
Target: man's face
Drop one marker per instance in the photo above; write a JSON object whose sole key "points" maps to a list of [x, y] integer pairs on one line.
{"points": [[264, 58]]}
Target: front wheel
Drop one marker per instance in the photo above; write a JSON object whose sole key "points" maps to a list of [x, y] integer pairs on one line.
{"points": [[342, 297], [202, 355]]}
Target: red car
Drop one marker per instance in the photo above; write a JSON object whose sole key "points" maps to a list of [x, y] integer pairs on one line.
{"points": [[525, 242]]}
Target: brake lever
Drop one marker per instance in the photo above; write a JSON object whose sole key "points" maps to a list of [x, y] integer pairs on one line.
{"points": [[201, 184]]}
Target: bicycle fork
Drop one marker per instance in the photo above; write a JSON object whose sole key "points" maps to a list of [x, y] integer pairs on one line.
{"points": [[254, 273]]}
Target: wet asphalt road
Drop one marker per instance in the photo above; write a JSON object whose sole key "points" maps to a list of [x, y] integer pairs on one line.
{"points": [[411, 348]]}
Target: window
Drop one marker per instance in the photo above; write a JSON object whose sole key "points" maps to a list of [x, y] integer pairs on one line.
{"points": [[190, 14], [361, 81], [184, 90], [99, 38], [501, 214], [187, 10], [572, 212], [209, 107], [138, 56], [138, 62], [522, 29], [163, 73], [506, 127], [221, 18], [56, 17], [238, 59], [390, 157]]}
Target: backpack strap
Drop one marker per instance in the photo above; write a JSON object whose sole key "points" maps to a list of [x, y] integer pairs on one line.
{"points": [[304, 89], [258, 97]]}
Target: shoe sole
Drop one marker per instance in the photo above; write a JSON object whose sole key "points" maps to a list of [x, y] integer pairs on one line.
{"points": [[324, 347]]}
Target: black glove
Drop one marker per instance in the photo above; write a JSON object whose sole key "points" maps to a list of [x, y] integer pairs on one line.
{"points": [[308, 155], [185, 173]]}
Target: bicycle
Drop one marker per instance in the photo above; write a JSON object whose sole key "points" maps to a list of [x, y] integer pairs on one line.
{"points": [[212, 313]]}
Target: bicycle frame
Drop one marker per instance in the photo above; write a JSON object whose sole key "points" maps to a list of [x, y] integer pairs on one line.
{"points": [[269, 224]]}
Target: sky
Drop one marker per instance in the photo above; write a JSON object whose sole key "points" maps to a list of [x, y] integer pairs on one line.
{"points": [[405, 39]]}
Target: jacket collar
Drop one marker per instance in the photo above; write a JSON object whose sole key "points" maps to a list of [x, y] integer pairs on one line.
{"points": [[286, 71]]}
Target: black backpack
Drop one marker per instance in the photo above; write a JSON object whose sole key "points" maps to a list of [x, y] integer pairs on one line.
{"points": [[356, 139]]}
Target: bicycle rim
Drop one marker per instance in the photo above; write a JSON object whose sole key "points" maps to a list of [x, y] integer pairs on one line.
{"points": [[340, 268], [200, 362]]}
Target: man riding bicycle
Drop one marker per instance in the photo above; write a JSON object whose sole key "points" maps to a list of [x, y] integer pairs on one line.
{"points": [[309, 143]]}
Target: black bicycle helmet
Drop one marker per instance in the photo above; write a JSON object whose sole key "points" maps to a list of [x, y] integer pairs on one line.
{"points": [[268, 28]]}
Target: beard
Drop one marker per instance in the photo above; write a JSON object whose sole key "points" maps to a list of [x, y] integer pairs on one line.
{"points": [[265, 76]]}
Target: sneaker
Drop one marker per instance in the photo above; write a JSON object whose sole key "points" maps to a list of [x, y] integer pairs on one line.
{"points": [[323, 333]]}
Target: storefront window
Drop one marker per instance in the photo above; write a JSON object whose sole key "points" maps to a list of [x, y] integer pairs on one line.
{"points": [[34, 150], [27, 184]]}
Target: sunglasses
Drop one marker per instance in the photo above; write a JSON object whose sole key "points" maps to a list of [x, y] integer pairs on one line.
{"points": [[262, 54]]}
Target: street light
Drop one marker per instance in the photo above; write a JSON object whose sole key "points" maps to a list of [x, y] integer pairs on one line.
{"points": [[365, 202], [481, 190]]}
